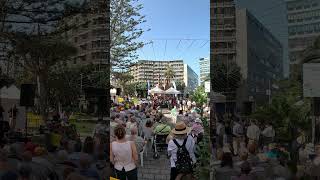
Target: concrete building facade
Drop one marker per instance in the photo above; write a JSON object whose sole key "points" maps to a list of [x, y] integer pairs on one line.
{"points": [[204, 69], [154, 72], [90, 35], [237, 36], [303, 25], [303, 29]]}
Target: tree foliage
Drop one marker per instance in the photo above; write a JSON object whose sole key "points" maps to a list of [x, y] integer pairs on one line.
{"points": [[199, 96], [180, 85], [225, 77], [125, 21], [123, 80], [285, 112]]}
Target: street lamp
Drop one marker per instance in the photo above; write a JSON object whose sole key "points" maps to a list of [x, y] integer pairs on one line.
{"points": [[113, 93]]}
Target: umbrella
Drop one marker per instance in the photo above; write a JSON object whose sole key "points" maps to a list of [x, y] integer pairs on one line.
{"points": [[156, 90], [172, 91]]}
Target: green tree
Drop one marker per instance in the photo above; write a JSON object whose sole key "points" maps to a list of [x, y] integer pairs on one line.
{"points": [[125, 21], [200, 97], [285, 112], [32, 31], [142, 88], [123, 79], [180, 86], [225, 77], [38, 57]]}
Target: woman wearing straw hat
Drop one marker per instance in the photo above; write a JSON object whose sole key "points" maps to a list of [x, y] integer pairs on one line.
{"points": [[181, 151]]}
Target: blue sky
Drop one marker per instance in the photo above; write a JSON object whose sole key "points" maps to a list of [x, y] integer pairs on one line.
{"points": [[180, 29]]}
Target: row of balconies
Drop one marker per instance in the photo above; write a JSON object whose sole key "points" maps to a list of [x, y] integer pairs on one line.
{"points": [[224, 50], [224, 27], [223, 4], [224, 38]]}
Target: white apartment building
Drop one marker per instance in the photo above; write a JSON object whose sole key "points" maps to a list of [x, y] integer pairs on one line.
{"points": [[204, 69], [154, 72], [303, 26]]}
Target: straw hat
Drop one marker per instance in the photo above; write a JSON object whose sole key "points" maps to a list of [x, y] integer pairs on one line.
{"points": [[180, 128]]}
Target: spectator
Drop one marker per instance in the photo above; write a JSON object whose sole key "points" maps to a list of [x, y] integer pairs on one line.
{"points": [[245, 172], [1, 113], [6, 171], [268, 134], [139, 142], [75, 176], [226, 169], [180, 138], [253, 159], [85, 169], [131, 123], [220, 132], [88, 147], [237, 132], [124, 156], [253, 133]]}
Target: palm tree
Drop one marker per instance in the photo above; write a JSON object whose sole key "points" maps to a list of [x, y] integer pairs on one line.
{"points": [[169, 75]]}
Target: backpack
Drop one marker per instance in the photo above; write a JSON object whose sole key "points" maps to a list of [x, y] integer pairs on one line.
{"points": [[184, 162]]}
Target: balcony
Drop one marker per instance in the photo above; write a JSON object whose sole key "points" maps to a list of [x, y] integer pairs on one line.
{"points": [[225, 16], [223, 4], [224, 27], [224, 39], [224, 50]]}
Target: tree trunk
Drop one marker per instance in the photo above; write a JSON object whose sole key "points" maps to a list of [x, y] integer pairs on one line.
{"points": [[43, 95]]}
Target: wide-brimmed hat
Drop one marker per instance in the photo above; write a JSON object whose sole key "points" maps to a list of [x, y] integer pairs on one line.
{"points": [[180, 128]]}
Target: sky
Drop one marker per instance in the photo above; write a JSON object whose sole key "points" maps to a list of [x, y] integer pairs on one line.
{"points": [[179, 29], [273, 15]]}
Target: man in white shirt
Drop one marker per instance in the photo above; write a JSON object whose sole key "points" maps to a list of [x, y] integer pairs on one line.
{"points": [[189, 103], [237, 132], [220, 131], [253, 133], [268, 134], [180, 135]]}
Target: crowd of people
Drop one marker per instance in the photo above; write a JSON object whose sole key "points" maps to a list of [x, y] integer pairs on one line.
{"points": [[32, 161], [57, 153], [248, 150], [138, 128]]}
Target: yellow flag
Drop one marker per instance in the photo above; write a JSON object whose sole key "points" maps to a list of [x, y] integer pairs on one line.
{"points": [[112, 178]]}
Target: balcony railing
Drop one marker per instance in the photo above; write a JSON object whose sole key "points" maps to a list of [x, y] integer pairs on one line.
{"points": [[224, 38], [223, 4], [224, 27], [224, 50]]}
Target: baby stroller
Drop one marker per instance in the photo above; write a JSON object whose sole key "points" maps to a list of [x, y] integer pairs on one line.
{"points": [[161, 133]]}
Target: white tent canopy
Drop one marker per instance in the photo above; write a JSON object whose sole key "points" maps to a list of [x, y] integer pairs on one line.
{"points": [[156, 90], [172, 91], [11, 92]]}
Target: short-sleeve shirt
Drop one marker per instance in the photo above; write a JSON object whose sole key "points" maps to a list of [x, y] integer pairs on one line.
{"points": [[172, 149]]}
